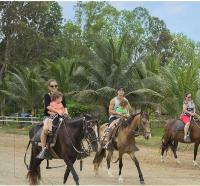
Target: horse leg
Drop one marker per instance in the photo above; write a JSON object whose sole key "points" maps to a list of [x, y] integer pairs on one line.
{"points": [[47, 167], [174, 149], [164, 147], [132, 155], [108, 159], [71, 168], [121, 180], [196, 146], [67, 171]]}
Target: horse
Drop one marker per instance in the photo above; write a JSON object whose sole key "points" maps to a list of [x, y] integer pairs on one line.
{"points": [[125, 143], [174, 133], [67, 147]]}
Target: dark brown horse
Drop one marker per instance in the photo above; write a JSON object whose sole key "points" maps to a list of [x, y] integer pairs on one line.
{"points": [[174, 133], [125, 143], [67, 147]]}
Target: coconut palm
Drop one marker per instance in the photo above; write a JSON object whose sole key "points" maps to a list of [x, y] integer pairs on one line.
{"points": [[25, 87]]}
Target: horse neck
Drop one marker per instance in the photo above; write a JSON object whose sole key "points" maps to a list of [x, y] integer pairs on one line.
{"points": [[75, 128], [134, 123]]}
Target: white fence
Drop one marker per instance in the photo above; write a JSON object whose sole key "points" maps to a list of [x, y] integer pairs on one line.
{"points": [[5, 120]]}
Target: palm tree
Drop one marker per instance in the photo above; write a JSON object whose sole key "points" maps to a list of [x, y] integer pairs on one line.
{"points": [[25, 87]]}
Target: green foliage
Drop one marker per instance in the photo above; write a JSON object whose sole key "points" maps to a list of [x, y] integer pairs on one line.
{"points": [[89, 57], [77, 109]]}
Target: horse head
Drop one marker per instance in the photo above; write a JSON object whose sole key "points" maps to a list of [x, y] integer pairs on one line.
{"points": [[144, 124], [140, 124], [91, 131]]}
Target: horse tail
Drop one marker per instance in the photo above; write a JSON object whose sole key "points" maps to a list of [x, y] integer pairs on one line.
{"points": [[34, 175], [98, 158], [166, 144]]}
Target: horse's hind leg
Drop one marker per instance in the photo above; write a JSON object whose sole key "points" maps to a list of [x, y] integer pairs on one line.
{"points": [[163, 148], [108, 159], [174, 146], [132, 155]]}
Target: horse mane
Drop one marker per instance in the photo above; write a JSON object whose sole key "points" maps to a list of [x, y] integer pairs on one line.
{"points": [[131, 117], [127, 122], [73, 122]]}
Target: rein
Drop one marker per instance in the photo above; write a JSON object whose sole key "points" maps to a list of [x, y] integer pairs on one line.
{"points": [[139, 132]]}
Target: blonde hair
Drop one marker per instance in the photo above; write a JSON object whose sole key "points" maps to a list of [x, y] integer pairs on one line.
{"points": [[56, 95], [51, 80]]}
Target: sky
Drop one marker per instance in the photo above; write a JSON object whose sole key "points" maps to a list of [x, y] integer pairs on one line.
{"points": [[179, 16]]}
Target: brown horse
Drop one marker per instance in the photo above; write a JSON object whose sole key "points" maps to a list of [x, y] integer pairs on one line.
{"points": [[67, 147], [174, 133], [125, 143]]}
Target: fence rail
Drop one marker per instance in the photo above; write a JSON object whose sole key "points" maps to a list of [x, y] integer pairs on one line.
{"points": [[20, 120]]}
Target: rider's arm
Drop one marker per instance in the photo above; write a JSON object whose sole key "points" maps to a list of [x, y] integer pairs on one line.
{"points": [[111, 108], [52, 109], [185, 110]]}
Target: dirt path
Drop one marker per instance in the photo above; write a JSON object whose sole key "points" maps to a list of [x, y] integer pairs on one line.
{"points": [[13, 171]]}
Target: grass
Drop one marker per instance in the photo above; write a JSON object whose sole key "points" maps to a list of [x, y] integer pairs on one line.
{"points": [[13, 128], [155, 140]]}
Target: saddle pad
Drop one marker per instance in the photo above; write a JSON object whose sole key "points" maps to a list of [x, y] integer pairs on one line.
{"points": [[178, 126]]}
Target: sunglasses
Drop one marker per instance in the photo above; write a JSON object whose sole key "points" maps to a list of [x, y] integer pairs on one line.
{"points": [[53, 86]]}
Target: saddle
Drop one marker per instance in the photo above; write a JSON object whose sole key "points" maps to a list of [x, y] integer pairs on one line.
{"points": [[179, 126], [51, 139], [122, 124]]}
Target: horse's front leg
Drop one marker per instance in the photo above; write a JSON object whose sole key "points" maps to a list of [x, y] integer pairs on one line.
{"points": [[120, 179], [108, 159], [71, 168], [67, 171], [196, 146], [132, 155]]}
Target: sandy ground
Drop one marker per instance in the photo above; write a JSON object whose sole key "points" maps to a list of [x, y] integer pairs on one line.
{"points": [[13, 170]]}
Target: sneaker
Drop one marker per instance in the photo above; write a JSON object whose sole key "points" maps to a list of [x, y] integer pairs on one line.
{"points": [[109, 145], [44, 154], [107, 131], [187, 139]]}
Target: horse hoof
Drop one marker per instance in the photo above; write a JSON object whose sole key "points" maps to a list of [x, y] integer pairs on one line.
{"points": [[96, 173], [120, 180], [162, 159], [178, 161], [142, 182], [110, 173], [195, 163]]}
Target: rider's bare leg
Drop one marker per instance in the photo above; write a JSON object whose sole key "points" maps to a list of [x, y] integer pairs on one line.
{"points": [[186, 128]]}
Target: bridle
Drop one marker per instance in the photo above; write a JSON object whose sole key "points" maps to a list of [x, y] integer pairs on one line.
{"points": [[141, 129], [86, 135]]}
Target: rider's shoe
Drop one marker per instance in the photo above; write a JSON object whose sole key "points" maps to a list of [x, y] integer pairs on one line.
{"points": [[107, 131], [187, 139], [109, 145], [44, 154]]}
